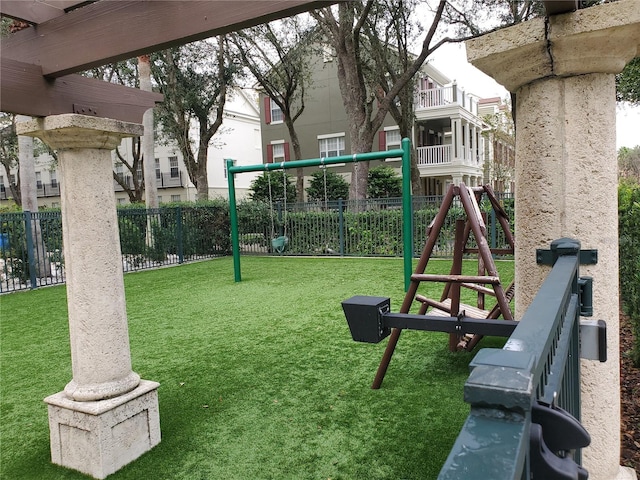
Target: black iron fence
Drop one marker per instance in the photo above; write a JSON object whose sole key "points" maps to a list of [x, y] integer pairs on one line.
{"points": [[32, 254]]}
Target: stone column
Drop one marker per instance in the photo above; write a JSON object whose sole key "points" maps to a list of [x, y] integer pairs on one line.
{"points": [[106, 416], [562, 71]]}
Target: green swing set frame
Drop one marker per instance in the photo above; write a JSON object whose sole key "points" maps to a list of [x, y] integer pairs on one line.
{"points": [[407, 228]]}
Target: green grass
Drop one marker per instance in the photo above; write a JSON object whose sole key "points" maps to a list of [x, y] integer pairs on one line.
{"points": [[259, 379]]}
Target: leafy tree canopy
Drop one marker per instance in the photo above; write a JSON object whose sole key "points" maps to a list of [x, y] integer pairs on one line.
{"points": [[384, 182], [270, 187], [628, 83], [336, 186], [629, 163]]}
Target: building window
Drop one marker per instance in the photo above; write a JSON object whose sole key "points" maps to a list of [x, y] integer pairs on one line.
{"points": [[276, 113], [12, 179], [158, 174], [39, 180], [122, 201], [272, 112], [120, 171], [139, 173], [2, 187], [394, 141], [224, 166], [54, 178], [278, 152], [175, 198], [173, 165], [331, 146], [159, 199]]}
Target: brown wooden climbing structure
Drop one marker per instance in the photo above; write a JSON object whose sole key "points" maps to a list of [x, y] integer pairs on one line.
{"points": [[486, 283]]}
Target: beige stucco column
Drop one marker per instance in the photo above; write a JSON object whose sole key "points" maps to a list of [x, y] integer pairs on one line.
{"points": [[106, 416], [562, 71]]}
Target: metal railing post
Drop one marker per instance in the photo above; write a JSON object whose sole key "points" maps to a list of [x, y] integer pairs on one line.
{"points": [[30, 250], [179, 235], [341, 225]]}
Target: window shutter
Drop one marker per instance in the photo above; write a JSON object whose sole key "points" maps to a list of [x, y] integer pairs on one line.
{"points": [[269, 153], [287, 156], [382, 141], [267, 110]]}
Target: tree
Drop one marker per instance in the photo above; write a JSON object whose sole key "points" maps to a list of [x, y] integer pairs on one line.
{"points": [[384, 183], [194, 79], [628, 83], [270, 187], [9, 152], [148, 139], [500, 166], [127, 73], [327, 185], [390, 51], [278, 55], [629, 163], [365, 105], [135, 187]]}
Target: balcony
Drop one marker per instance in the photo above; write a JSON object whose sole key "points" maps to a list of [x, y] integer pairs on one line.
{"points": [[445, 96], [435, 155], [174, 178], [443, 155], [48, 189]]}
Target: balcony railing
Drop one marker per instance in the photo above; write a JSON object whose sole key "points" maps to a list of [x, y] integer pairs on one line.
{"points": [[48, 189], [439, 97], [434, 155], [170, 179], [443, 155]]}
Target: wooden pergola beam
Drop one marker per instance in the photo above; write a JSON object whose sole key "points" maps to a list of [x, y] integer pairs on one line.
{"points": [[112, 30], [24, 90]]}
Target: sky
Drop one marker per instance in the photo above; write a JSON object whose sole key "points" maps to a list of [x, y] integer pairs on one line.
{"points": [[451, 60]]}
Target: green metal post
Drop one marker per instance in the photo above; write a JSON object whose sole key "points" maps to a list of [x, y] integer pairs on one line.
{"points": [[407, 216], [233, 218]]}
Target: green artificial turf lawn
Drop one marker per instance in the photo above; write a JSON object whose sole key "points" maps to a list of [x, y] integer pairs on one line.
{"points": [[259, 379]]}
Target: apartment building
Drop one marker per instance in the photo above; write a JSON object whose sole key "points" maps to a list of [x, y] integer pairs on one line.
{"points": [[447, 132], [238, 139]]}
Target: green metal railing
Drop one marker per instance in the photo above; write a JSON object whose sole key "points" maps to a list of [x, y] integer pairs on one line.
{"points": [[540, 363]]}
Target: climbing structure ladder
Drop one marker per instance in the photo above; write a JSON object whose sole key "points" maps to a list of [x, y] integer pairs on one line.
{"points": [[449, 304]]}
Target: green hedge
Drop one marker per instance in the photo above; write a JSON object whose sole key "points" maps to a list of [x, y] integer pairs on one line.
{"points": [[629, 240]]}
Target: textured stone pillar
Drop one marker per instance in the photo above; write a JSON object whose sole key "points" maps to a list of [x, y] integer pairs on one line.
{"points": [[105, 405], [562, 71]]}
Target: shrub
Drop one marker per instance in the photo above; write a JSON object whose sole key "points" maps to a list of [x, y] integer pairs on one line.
{"points": [[629, 243]]}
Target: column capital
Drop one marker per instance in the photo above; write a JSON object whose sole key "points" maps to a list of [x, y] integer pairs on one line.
{"points": [[71, 130], [600, 39]]}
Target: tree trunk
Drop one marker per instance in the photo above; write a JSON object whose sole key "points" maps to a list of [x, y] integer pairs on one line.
{"points": [[202, 188], [148, 139], [29, 197]]}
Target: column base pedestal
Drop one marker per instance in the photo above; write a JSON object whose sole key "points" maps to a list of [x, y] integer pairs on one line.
{"points": [[98, 438]]}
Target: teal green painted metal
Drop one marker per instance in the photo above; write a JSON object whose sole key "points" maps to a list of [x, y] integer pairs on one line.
{"points": [[539, 362], [404, 153], [233, 218], [407, 214]]}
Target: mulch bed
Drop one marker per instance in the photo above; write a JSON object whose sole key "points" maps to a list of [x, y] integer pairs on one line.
{"points": [[630, 400]]}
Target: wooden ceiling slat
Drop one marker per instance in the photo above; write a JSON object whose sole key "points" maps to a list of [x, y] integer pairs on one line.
{"points": [[113, 30], [29, 11]]}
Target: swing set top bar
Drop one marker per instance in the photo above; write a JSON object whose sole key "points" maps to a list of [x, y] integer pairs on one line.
{"points": [[407, 220], [315, 162]]}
